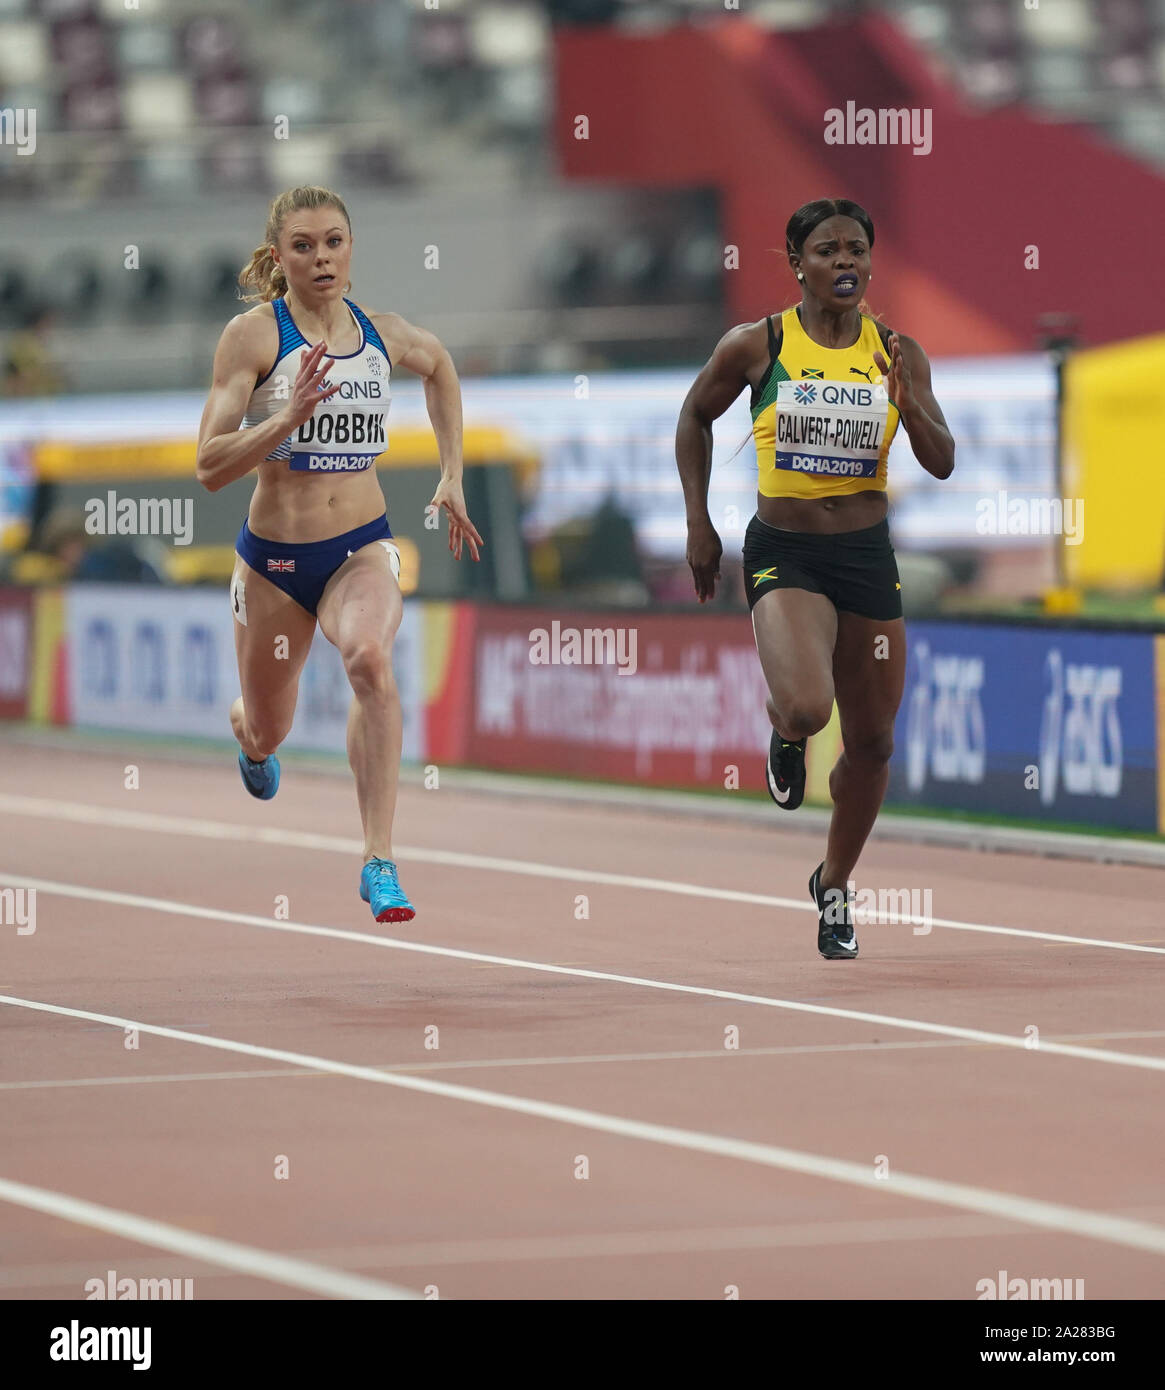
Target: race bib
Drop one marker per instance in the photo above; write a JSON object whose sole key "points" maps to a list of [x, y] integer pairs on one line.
{"points": [[830, 428]]}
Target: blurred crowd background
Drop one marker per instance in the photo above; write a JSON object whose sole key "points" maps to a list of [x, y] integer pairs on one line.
{"points": [[581, 281]]}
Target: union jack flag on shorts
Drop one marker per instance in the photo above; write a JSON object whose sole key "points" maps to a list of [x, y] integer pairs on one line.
{"points": [[283, 566]]}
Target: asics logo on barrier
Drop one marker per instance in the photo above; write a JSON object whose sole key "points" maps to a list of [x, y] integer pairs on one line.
{"points": [[946, 734], [1080, 732]]}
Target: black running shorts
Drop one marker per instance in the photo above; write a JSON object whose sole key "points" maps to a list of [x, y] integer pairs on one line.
{"points": [[855, 570]]}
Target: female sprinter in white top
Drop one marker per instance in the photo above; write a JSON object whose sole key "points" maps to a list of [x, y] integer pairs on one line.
{"points": [[306, 373]]}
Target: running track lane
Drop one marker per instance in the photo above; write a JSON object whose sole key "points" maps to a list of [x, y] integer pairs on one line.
{"points": [[420, 1189]]}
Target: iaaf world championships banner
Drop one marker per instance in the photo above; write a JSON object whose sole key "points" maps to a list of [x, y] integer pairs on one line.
{"points": [[669, 700]]}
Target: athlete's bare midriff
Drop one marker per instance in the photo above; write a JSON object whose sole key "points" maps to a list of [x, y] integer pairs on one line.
{"points": [[304, 507], [298, 507], [852, 511]]}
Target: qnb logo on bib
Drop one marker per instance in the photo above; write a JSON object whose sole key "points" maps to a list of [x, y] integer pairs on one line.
{"points": [[946, 734], [1080, 732], [355, 390]]}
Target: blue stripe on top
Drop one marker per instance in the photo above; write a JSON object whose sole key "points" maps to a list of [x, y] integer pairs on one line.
{"points": [[370, 333], [289, 337]]}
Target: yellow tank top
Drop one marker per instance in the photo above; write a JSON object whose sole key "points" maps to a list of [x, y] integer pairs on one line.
{"points": [[821, 418]]}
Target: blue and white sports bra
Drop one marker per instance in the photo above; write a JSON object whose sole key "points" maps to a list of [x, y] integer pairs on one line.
{"points": [[348, 431]]}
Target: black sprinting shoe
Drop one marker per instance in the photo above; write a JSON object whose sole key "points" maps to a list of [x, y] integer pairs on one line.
{"points": [[785, 771], [835, 928]]}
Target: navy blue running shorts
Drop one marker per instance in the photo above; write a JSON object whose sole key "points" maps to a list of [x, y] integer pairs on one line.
{"points": [[303, 569]]}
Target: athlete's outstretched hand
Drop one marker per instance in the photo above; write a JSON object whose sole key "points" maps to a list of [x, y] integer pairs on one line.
{"points": [[704, 551], [306, 393], [896, 377], [450, 496]]}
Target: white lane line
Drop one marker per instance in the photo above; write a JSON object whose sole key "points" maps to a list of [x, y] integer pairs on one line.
{"points": [[110, 817], [242, 1259], [605, 1244], [214, 914], [583, 1245], [1029, 1211], [498, 1063], [631, 1243]]}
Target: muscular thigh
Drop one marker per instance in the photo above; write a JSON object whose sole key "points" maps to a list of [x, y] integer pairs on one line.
{"points": [[795, 632], [273, 636], [869, 670], [362, 603]]}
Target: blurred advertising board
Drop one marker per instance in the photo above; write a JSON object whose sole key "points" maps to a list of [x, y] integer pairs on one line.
{"points": [[1058, 725], [1039, 723], [672, 700], [15, 651], [162, 661], [612, 434], [17, 481], [321, 716], [1023, 720], [150, 660]]}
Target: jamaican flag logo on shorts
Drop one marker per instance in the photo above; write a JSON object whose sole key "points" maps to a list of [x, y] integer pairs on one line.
{"points": [[817, 373], [762, 576]]}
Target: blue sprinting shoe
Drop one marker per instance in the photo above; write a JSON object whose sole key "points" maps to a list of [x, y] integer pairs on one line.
{"points": [[260, 779], [381, 890]]}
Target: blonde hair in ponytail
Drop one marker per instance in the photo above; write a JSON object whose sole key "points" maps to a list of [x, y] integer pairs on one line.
{"points": [[263, 276]]}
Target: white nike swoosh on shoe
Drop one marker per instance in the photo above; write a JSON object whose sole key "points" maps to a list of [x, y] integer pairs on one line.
{"points": [[846, 945], [780, 796]]}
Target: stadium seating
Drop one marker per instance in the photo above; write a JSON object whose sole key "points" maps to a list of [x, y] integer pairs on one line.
{"points": [[179, 100]]}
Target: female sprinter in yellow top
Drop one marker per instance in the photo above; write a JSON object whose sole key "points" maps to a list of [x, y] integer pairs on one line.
{"points": [[829, 389], [306, 373]]}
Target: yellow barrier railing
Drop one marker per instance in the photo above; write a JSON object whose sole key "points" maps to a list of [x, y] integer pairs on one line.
{"points": [[75, 461]]}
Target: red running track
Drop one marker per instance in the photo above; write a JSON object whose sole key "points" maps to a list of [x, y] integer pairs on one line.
{"points": [[574, 1135]]}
